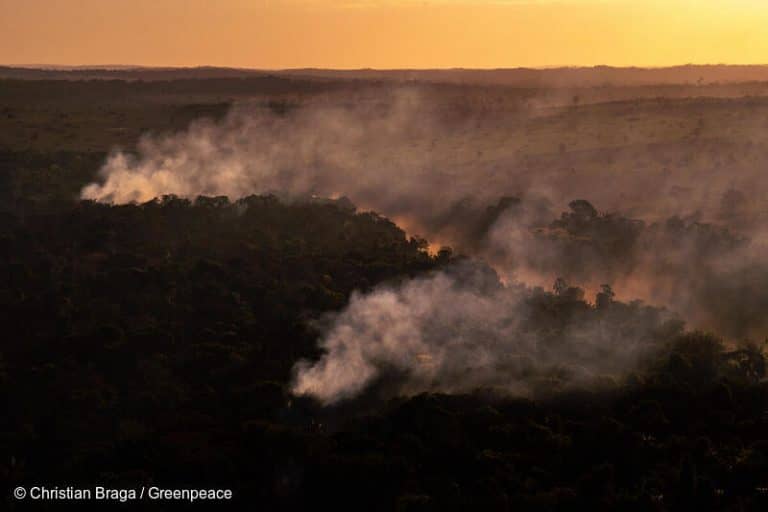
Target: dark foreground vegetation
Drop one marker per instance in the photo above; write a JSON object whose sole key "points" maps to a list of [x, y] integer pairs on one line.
{"points": [[154, 343]]}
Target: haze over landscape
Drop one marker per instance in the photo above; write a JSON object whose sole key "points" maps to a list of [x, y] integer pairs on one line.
{"points": [[386, 254]]}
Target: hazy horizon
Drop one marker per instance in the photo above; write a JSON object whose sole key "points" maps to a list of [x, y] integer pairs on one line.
{"points": [[386, 255], [384, 34], [97, 66]]}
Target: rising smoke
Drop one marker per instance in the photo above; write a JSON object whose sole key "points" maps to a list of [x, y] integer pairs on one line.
{"points": [[461, 329], [682, 235]]}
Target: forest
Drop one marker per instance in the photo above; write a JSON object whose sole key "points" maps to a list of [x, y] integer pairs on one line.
{"points": [[400, 340]]}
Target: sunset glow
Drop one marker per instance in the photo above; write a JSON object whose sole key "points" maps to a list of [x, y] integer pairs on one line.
{"points": [[383, 33]]}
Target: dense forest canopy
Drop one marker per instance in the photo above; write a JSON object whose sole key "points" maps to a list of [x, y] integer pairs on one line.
{"points": [[161, 337], [314, 352]]}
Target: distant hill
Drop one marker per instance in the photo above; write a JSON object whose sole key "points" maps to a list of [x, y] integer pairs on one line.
{"points": [[124, 73], [518, 77], [558, 77]]}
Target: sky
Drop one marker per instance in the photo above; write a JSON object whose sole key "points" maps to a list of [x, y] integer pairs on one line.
{"points": [[275, 34]]}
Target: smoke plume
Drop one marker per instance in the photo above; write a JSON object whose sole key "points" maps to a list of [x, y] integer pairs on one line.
{"points": [[492, 178], [461, 329]]}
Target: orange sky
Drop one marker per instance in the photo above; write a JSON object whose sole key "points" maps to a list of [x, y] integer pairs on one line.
{"points": [[383, 33]]}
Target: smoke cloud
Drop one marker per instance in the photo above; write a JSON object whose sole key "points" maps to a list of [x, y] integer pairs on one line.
{"points": [[369, 151], [461, 329], [491, 178]]}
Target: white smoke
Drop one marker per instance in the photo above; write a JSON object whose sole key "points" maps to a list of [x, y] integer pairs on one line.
{"points": [[434, 167], [373, 152], [459, 330]]}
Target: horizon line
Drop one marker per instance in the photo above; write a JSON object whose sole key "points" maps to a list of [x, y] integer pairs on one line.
{"points": [[126, 67]]}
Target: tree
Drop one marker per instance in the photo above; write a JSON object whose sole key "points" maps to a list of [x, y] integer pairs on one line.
{"points": [[605, 297]]}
